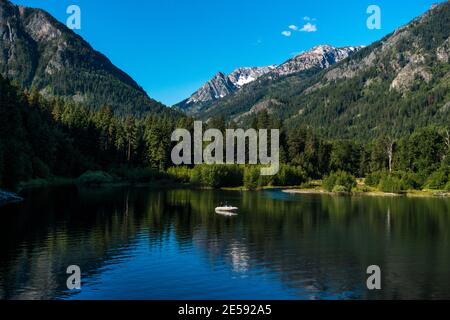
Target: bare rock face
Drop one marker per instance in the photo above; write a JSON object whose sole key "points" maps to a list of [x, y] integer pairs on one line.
{"points": [[243, 76], [40, 28], [221, 85], [442, 53], [414, 69], [320, 57], [216, 88], [400, 54]]}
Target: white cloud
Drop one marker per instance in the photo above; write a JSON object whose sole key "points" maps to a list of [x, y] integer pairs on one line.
{"points": [[309, 27]]}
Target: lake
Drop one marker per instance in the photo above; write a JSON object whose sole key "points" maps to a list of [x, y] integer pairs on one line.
{"points": [[142, 243]]}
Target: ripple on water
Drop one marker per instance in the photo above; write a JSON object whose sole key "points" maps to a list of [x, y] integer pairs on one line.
{"points": [[146, 245]]}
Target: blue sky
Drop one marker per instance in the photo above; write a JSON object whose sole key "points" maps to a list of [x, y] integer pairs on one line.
{"points": [[171, 47]]}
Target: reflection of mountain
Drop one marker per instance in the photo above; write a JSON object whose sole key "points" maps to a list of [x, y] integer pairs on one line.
{"points": [[314, 247]]}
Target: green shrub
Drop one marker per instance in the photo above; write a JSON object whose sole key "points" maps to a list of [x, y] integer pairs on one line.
{"points": [[95, 178], [406, 179], [339, 189], [212, 176], [180, 174], [345, 181], [138, 175], [289, 176], [217, 176], [373, 179], [447, 187], [307, 185], [391, 184], [196, 177], [438, 179], [365, 189], [251, 177], [411, 180]]}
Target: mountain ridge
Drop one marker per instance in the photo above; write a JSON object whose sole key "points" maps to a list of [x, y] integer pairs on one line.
{"points": [[40, 52], [221, 85], [396, 84]]}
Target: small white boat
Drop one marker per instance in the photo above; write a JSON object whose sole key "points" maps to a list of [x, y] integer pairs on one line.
{"points": [[226, 209], [226, 213]]}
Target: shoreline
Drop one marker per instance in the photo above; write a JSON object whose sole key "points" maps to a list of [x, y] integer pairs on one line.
{"points": [[164, 184], [409, 194], [116, 184]]}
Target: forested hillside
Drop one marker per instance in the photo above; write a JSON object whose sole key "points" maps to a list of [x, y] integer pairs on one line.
{"points": [[40, 138], [416, 161], [393, 87], [383, 114], [41, 53]]}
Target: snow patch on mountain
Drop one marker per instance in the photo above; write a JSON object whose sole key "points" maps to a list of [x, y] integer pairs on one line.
{"points": [[222, 85]]}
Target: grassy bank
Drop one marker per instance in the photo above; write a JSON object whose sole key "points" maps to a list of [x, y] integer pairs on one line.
{"points": [[114, 178], [361, 189], [291, 179]]}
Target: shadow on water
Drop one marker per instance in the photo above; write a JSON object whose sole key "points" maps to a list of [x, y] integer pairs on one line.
{"points": [[137, 243]]}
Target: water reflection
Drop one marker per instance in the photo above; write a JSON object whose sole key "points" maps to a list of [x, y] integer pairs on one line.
{"points": [[145, 244]]}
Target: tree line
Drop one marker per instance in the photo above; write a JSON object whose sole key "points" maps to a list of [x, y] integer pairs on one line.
{"points": [[41, 138], [46, 137], [390, 163]]}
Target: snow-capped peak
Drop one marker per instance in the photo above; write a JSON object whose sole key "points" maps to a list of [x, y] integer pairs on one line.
{"points": [[221, 85]]}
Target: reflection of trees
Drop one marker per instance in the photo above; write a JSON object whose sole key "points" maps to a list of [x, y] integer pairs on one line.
{"points": [[314, 244], [332, 240], [59, 229]]}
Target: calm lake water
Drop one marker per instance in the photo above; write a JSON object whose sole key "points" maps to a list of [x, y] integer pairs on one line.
{"points": [[139, 243]]}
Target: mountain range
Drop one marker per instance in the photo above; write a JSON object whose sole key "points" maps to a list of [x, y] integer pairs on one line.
{"points": [[37, 51], [222, 85], [395, 85]]}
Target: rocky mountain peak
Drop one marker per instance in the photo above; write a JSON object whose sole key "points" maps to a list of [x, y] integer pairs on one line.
{"points": [[394, 85], [322, 56], [243, 76], [221, 85]]}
